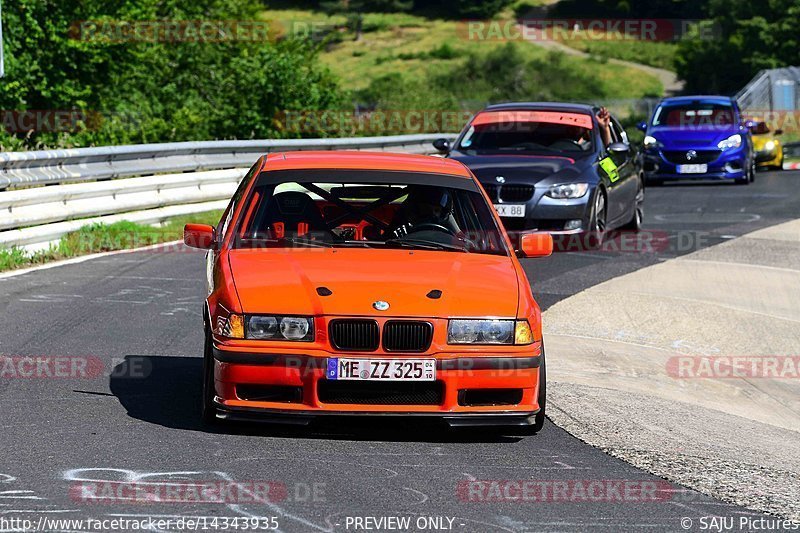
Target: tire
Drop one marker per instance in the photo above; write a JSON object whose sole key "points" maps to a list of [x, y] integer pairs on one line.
{"points": [[753, 171], [207, 408], [635, 224], [539, 418], [597, 222]]}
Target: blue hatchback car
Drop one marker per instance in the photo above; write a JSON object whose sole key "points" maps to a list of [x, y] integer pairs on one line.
{"points": [[699, 137]]}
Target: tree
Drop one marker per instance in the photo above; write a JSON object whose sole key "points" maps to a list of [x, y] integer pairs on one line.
{"points": [[153, 90], [354, 10], [748, 37], [462, 9]]}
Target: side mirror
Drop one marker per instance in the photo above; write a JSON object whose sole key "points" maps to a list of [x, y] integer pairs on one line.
{"points": [[536, 244], [777, 132], [642, 126], [442, 145], [619, 151], [199, 236]]}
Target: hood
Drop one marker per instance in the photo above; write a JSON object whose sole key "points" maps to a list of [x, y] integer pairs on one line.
{"points": [[278, 281], [531, 168], [683, 138]]}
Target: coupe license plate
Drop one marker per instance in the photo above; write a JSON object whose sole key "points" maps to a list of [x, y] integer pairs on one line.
{"points": [[510, 210], [692, 169], [381, 369]]}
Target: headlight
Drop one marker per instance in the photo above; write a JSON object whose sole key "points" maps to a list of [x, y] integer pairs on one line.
{"points": [[262, 327], [489, 331], [279, 328], [568, 191], [650, 141], [295, 328], [734, 141], [770, 145]]}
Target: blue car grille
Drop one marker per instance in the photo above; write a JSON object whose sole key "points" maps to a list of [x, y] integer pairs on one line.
{"points": [[679, 157]]}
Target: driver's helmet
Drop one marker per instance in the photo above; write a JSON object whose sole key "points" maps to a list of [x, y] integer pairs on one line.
{"points": [[429, 204]]}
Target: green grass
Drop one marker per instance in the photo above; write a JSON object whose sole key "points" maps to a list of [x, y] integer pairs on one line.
{"points": [[419, 50], [103, 238], [657, 54]]}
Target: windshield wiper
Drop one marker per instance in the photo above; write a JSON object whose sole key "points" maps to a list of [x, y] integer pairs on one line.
{"points": [[422, 243], [295, 240]]}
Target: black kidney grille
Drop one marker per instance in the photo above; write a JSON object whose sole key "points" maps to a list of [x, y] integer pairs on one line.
{"points": [[354, 335], [516, 193], [491, 190], [407, 336]]}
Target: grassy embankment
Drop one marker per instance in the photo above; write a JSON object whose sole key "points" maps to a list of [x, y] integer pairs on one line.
{"points": [[102, 238]]}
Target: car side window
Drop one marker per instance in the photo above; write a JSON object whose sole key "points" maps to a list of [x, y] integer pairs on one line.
{"points": [[617, 133], [227, 216]]}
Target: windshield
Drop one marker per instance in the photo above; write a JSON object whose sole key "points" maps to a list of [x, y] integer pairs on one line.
{"points": [[544, 132], [694, 115], [360, 212]]}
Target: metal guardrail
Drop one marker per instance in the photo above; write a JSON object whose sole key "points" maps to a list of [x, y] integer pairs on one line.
{"points": [[33, 217], [88, 164]]}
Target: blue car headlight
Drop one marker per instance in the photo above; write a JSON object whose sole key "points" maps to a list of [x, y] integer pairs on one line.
{"points": [[651, 142], [734, 141]]}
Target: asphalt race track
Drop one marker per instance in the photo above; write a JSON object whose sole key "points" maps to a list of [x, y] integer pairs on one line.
{"points": [[138, 419]]}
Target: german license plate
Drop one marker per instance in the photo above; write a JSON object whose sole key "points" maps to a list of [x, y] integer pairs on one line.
{"points": [[692, 169], [510, 210], [381, 369]]}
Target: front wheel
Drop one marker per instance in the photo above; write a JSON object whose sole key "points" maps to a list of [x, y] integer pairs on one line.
{"points": [[597, 222], [636, 221]]}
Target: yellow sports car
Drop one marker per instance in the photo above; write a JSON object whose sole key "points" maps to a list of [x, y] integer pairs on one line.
{"points": [[768, 149]]}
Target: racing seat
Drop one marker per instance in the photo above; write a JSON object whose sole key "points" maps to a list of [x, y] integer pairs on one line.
{"points": [[290, 214]]}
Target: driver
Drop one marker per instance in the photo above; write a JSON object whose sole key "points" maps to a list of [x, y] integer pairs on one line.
{"points": [[583, 136], [424, 205]]}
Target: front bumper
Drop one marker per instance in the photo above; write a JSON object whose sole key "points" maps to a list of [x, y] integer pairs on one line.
{"points": [[513, 378], [728, 165], [294, 418], [769, 158], [543, 213]]}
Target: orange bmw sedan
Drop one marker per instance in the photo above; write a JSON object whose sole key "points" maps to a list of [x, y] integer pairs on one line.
{"points": [[358, 284]]}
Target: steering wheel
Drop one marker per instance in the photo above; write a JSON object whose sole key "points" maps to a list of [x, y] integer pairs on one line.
{"points": [[431, 226]]}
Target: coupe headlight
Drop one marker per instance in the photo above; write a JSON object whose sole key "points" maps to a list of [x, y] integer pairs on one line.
{"points": [[770, 146], [734, 141], [568, 191], [279, 328], [489, 331], [650, 141]]}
